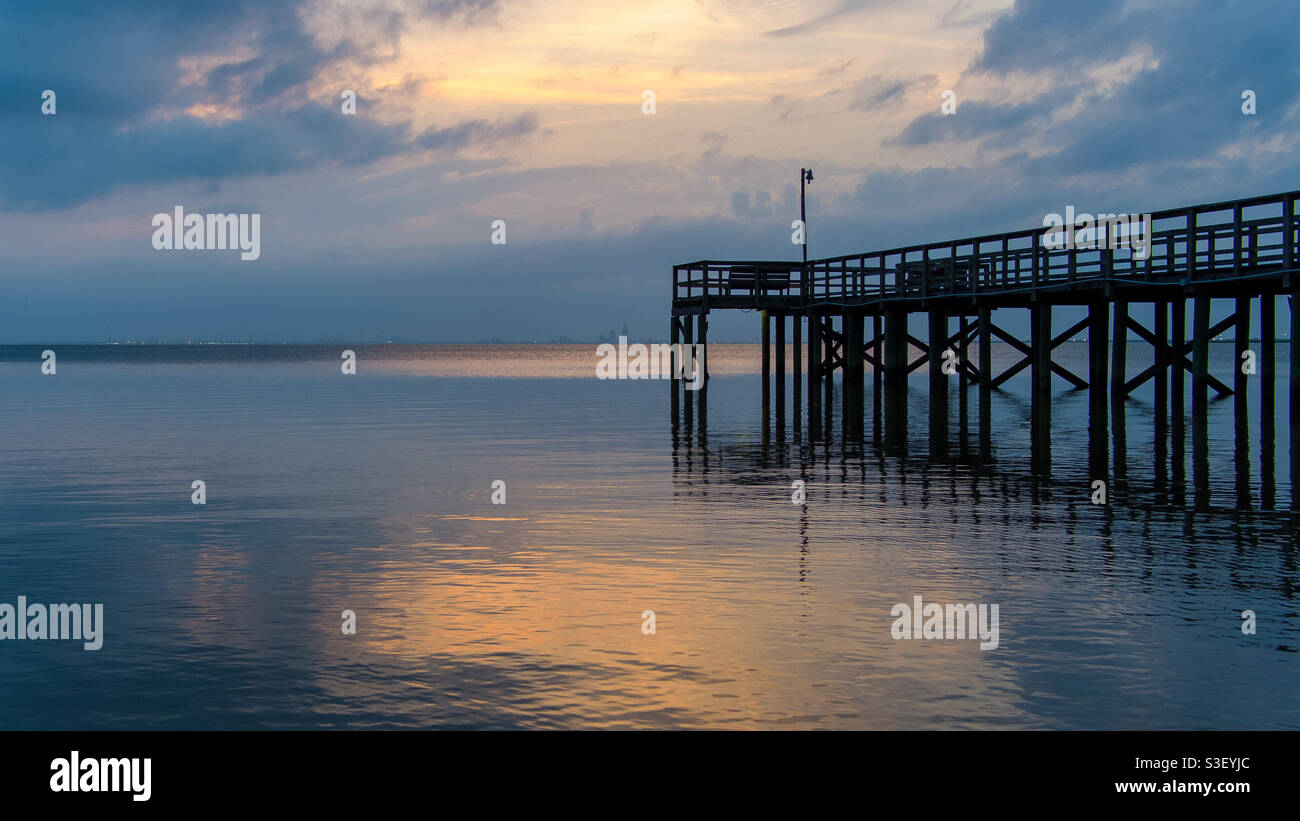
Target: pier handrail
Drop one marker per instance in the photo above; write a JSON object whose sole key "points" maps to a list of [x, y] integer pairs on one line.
{"points": [[1182, 247]]}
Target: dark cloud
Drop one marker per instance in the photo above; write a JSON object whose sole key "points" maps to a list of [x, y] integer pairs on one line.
{"points": [[122, 100], [972, 120]]}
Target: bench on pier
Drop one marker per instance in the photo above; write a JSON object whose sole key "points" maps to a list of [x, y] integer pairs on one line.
{"points": [[759, 279]]}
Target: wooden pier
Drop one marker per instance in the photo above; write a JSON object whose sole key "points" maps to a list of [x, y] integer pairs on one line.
{"points": [[854, 311]]}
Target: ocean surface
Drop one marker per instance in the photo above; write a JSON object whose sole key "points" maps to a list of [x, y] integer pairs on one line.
{"points": [[373, 493]]}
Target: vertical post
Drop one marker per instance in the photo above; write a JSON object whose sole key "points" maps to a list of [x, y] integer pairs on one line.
{"points": [[674, 339], [877, 374], [896, 376], [1295, 402], [780, 365], [796, 383], [828, 375], [767, 352], [1119, 368], [702, 323], [688, 341], [963, 378], [1240, 407], [1200, 359], [814, 371], [1161, 393], [986, 380], [1162, 364], [1040, 320], [1201, 400], [1267, 399], [1098, 351], [938, 383], [853, 375], [1177, 381]]}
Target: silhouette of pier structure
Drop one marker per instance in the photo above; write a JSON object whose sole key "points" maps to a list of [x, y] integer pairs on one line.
{"points": [[845, 313]]}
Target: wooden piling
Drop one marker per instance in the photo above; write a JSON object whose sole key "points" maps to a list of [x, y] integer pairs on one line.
{"points": [[1177, 383], [1294, 410], [877, 375], [780, 365], [1119, 341], [814, 372], [1240, 407], [986, 380], [851, 392], [766, 337], [702, 325], [1201, 400], [1040, 321], [796, 383], [1200, 359], [937, 343], [896, 376], [1267, 400]]}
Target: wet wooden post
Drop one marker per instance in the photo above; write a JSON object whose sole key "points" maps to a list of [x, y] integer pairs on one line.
{"points": [[766, 337], [702, 324], [1040, 321], [1119, 342], [1240, 407], [1201, 400], [1267, 400], [780, 365], [938, 383], [828, 373], [986, 380], [688, 341], [896, 376], [1294, 410], [1200, 360], [851, 393], [877, 375], [814, 372], [674, 340], [963, 378], [1098, 353], [796, 383], [1161, 393], [1162, 365], [1177, 381]]}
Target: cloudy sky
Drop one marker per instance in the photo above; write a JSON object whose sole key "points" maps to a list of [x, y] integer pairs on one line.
{"points": [[378, 225]]}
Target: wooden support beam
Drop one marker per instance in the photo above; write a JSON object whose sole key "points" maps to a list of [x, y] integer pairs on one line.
{"points": [[1295, 402], [1119, 352], [1098, 336], [1040, 323], [985, 325], [1064, 336], [780, 364], [938, 383], [1178, 333], [814, 370], [796, 382], [1200, 359]]}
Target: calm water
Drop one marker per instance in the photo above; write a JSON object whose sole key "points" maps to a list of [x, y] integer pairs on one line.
{"points": [[372, 493]]}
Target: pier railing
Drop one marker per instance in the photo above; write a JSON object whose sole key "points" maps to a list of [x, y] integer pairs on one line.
{"points": [[1216, 242]]}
